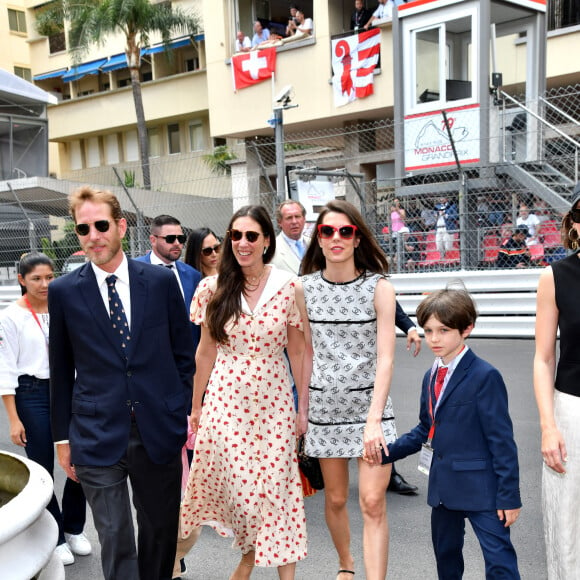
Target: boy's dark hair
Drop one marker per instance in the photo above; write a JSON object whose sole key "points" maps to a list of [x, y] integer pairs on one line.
{"points": [[452, 307]]}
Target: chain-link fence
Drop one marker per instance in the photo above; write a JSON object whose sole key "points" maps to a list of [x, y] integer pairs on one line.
{"points": [[427, 221]]}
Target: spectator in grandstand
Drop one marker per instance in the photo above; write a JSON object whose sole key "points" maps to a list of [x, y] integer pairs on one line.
{"points": [[292, 21], [243, 42], [411, 255], [429, 217], [531, 221], [447, 216], [559, 401], [383, 10], [514, 253], [202, 251], [542, 210], [505, 232], [360, 16], [414, 221], [301, 24], [261, 34], [398, 216], [497, 209]]}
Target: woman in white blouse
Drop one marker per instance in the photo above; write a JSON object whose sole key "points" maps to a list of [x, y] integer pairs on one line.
{"points": [[24, 386]]}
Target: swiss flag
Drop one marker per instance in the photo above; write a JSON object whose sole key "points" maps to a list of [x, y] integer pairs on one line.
{"points": [[253, 67]]}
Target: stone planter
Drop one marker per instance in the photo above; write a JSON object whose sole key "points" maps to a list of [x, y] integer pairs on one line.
{"points": [[28, 533]]}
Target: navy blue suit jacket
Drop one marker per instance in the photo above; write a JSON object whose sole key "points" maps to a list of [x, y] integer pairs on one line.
{"points": [[94, 384], [475, 459], [190, 278]]}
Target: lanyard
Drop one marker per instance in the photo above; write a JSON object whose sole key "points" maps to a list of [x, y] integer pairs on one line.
{"points": [[27, 302]]}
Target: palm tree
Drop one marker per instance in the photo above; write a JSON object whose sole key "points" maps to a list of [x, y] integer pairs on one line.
{"points": [[91, 21]]}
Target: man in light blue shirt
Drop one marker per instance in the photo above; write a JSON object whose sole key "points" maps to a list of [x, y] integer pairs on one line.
{"points": [[261, 34]]}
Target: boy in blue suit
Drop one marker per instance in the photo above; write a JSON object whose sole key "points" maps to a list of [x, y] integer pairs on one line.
{"points": [[466, 440]]}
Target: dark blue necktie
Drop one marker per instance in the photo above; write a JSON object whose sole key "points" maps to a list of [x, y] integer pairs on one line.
{"points": [[117, 312]]}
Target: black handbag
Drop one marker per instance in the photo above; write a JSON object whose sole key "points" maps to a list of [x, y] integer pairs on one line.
{"points": [[310, 467]]}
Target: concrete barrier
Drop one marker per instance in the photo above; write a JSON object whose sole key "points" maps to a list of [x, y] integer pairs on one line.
{"points": [[28, 533]]}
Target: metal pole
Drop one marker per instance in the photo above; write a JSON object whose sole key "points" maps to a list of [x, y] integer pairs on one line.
{"points": [[280, 165], [138, 216]]}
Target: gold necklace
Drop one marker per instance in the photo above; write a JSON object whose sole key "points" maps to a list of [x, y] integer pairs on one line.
{"points": [[253, 282]]}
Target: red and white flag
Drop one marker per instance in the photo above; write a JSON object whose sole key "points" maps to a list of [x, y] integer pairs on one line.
{"points": [[354, 59], [253, 67]]}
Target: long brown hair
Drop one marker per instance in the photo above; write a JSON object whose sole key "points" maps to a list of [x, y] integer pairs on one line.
{"points": [[368, 256], [226, 304]]}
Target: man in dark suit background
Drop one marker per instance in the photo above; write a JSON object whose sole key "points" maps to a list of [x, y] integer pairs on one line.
{"points": [[121, 359], [167, 240]]}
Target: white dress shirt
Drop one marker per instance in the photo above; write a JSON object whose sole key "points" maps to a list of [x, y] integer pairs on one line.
{"points": [[157, 261], [121, 286]]}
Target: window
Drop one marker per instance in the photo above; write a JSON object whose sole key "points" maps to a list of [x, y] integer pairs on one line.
{"points": [[17, 21], [196, 136], [191, 64], [273, 14], [440, 62], [23, 73], [57, 43], [154, 138], [173, 138]]}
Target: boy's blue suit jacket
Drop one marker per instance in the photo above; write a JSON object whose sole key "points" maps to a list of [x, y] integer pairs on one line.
{"points": [[475, 460]]}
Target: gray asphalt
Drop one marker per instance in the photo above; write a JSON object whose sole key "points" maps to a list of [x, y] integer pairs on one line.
{"points": [[410, 556]]}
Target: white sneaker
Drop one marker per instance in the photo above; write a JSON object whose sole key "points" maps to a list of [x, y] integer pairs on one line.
{"points": [[65, 555], [78, 544]]}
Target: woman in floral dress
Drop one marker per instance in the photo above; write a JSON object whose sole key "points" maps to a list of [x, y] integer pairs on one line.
{"points": [[244, 480], [348, 311]]}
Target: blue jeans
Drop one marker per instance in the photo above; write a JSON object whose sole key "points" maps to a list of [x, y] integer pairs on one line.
{"points": [[33, 407]]}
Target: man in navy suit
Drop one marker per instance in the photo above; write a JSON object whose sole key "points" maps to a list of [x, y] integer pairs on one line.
{"points": [[467, 445], [167, 240], [121, 360]]}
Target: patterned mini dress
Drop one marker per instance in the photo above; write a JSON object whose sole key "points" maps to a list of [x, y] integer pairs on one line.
{"points": [[343, 323]]}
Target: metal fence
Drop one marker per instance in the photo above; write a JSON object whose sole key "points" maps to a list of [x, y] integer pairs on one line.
{"points": [[358, 160]]}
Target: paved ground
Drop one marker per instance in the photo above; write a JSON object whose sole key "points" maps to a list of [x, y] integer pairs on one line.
{"points": [[410, 551]]}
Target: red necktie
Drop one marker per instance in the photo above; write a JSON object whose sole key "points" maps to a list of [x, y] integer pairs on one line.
{"points": [[441, 372]]}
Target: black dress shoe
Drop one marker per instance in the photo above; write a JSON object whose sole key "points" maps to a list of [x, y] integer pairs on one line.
{"points": [[400, 486]]}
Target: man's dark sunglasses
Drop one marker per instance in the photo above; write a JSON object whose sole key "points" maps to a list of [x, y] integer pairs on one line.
{"points": [[575, 215], [100, 225], [211, 249], [170, 238]]}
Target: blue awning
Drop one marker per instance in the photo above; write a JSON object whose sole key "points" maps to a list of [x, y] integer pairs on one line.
{"points": [[51, 75], [87, 68], [116, 62], [161, 47]]}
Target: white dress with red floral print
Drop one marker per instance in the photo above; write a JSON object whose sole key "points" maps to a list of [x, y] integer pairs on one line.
{"points": [[244, 480]]}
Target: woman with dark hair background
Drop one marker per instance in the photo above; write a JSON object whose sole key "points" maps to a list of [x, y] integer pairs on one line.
{"points": [[202, 251], [244, 478], [24, 386], [557, 389], [348, 313]]}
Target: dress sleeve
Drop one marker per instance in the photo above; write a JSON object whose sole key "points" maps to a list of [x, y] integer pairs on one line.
{"points": [[201, 298], [294, 318]]}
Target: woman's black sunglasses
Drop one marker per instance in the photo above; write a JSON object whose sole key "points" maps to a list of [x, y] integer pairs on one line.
{"points": [[100, 225], [211, 249], [237, 235]]}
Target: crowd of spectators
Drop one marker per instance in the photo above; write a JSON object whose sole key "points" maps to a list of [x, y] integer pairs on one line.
{"points": [[510, 231], [272, 32]]}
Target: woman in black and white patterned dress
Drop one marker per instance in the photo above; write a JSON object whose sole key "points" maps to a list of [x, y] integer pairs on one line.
{"points": [[349, 314]]}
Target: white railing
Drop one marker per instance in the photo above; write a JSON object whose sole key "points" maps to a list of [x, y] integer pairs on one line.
{"points": [[505, 299]]}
